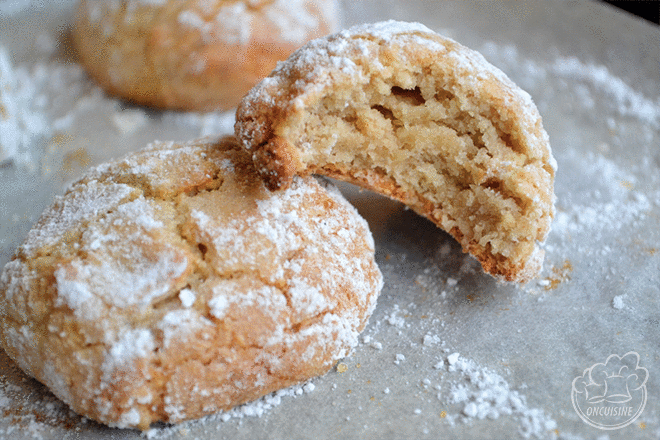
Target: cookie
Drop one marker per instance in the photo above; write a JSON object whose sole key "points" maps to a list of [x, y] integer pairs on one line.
{"points": [[172, 284], [198, 55], [398, 109]]}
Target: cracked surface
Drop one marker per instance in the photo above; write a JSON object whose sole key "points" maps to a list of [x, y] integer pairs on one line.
{"points": [[171, 284], [398, 109], [193, 54]]}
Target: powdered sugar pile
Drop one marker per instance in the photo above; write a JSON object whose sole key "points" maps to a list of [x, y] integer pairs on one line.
{"points": [[21, 124], [486, 394]]}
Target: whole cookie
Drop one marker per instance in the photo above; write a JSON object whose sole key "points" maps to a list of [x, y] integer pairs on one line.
{"points": [[171, 284], [398, 109], [193, 54]]}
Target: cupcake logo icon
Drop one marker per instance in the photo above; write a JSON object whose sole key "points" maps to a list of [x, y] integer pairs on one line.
{"points": [[611, 395]]}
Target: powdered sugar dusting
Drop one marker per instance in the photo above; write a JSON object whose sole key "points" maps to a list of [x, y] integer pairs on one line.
{"points": [[132, 345], [88, 288], [584, 78], [179, 324], [238, 22], [88, 201], [387, 30], [21, 125]]}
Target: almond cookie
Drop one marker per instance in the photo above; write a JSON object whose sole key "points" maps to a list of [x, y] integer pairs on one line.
{"points": [[398, 109], [172, 284], [193, 54]]}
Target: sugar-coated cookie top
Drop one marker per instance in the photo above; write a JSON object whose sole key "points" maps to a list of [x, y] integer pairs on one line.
{"points": [[233, 21], [176, 243]]}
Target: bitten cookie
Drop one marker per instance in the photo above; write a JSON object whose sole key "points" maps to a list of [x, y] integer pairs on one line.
{"points": [[193, 54], [398, 109], [171, 284]]}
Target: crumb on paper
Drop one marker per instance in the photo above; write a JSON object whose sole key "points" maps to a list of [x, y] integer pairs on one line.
{"points": [[617, 301], [559, 275]]}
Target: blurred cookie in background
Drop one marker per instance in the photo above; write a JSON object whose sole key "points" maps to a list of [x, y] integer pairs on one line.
{"points": [[198, 55]]}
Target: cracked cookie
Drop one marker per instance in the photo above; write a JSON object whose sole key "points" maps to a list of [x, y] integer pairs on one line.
{"points": [[398, 109], [193, 54], [172, 284]]}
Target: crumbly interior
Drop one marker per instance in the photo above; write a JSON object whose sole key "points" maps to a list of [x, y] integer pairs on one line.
{"points": [[433, 149], [398, 109], [171, 284]]}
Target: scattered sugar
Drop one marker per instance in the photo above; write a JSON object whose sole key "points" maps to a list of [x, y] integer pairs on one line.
{"points": [[256, 408], [430, 340], [628, 101], [617, 301], [15, 7], [610, 204], [395, 319], [584, 77]]}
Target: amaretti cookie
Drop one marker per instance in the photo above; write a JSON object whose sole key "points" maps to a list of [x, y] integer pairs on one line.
{"points": [[172, 284], [193, 54], [398, 109]]}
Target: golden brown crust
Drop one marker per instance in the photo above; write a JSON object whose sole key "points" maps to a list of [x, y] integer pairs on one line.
{"points": [[171, 284], [192, 55], [398, 109], [281, 160]]}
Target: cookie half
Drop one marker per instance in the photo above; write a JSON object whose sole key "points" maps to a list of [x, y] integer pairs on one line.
{"points": [[398, 109], [171, 284], [193, 54]]}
